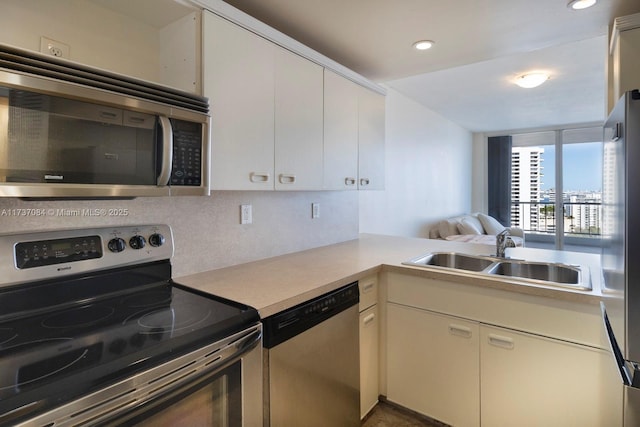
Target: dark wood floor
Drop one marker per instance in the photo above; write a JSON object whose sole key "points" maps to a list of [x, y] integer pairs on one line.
{"points": [[388, 415]]}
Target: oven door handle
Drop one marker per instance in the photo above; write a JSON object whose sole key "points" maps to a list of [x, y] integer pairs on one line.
{"points": [[249, 341], [167, 151]]}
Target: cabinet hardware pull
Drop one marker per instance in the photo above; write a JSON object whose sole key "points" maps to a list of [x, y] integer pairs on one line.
{"points": [[349, 181], [364, 181], [368, 287], [287, 179], [368, 319], [460, 331], [502, 342], [108, 115], [259, 177]]}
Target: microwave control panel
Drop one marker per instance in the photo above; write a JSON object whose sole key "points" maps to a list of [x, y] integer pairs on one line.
{"points": [[187, 153]]}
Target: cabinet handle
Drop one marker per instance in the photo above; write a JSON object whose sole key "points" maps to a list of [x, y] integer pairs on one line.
{"points": [[108, 115], [137, 120], [368, 319], [286, 179], [502, 342], [460, 331], [349, 181], [259, 177], [364, 181], [368, 287]]}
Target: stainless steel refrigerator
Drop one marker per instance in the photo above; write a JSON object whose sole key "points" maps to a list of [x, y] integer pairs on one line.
{"points": [[621, 246]]}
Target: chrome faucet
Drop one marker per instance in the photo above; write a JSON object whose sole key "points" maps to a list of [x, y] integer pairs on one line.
{"points": [[503, 241]]}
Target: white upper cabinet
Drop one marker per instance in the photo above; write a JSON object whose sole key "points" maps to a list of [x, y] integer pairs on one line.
{"points": [[340, 132], [281, 121], [238, 79], [371, 113], [298, 122], [624, 58]]}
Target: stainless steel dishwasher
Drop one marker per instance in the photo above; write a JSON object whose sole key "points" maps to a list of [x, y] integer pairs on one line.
{"points": [[311, 357]]}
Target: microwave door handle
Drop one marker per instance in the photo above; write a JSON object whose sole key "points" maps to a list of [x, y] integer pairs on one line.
{"points": [[167, 151]]}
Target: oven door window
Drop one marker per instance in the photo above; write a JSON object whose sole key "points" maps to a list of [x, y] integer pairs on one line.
{"points": [[214, 401], [49, 139]]}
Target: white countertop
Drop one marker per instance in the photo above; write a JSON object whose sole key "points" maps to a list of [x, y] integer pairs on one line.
{"points": [[274, 284]]}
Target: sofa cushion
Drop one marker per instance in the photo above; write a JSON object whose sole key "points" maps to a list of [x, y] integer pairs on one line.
{"points": [[448, 227], [490, 224], [470, 225]]}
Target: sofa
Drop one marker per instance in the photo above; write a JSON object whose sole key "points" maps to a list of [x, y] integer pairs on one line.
{"points": [[474, 228]]}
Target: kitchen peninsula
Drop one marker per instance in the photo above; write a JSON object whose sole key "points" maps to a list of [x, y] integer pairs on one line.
{"points": [[460, 347]]}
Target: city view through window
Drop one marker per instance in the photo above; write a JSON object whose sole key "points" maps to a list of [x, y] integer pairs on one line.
{"points": [[535, 186]]}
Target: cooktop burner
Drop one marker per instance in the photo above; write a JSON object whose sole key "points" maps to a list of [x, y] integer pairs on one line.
{"points": [[98, 309], [72, 350]]}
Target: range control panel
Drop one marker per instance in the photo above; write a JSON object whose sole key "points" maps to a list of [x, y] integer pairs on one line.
{"points": [[43, 255], [47, 252]]}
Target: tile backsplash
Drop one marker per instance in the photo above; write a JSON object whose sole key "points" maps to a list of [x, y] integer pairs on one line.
{"points": [[207, 230]]}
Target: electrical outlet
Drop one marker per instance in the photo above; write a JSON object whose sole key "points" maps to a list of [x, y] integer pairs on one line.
{"points": [[246, 215], [315, 210], [54, 48]]}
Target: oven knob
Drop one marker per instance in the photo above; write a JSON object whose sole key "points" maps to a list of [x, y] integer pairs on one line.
{"points": [[116, 245], [137, 242], [156, 239]]}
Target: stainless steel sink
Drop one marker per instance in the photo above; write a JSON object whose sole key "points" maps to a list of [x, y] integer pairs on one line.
{"points": [[547, 273], [452, 260]]}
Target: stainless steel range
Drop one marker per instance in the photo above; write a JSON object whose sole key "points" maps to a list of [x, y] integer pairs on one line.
{"points": [[94, 331]]}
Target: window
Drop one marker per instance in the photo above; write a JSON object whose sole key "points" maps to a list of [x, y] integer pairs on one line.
{"points": [[565, 162]]}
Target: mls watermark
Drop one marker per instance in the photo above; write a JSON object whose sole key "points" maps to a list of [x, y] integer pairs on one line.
{"points": [[63, 212]]}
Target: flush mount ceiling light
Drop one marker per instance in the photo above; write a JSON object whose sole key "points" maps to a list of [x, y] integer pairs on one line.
{"points": [[580, 4], [423, 44], [531, 80]]}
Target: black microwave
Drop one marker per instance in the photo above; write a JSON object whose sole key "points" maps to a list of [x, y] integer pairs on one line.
{"points": [[69, 130]]}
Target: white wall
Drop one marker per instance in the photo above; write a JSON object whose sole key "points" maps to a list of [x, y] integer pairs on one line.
{"points": [[479, 199], [96, 36], [428, 172]]}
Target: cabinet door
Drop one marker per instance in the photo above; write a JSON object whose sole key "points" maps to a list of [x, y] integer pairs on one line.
{"points": [[368, 292], [298, 123], [529, 380], [433, 364], [369, 360], [340, 133], [371, 113], [238, 79]]}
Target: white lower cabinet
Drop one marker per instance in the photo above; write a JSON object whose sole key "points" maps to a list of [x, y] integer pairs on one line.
{"points": [[471, 356], [369, 342], [529, 380], [433, 364]]}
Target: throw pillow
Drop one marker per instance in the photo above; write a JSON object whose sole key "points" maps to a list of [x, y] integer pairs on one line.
{"points": [[490, 224], [467, 226]]}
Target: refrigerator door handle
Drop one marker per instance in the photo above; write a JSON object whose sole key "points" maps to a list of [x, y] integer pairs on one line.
{"points": [[625, 375]]}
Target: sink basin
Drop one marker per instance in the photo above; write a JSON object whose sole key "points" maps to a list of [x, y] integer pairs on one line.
{"points": [[559, 273], [547, 273], [452, 260]]}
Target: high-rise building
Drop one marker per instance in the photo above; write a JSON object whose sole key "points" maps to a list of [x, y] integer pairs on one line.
{"points": [[526, 182]]}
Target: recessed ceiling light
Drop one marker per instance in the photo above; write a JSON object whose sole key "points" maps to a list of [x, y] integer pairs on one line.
{"points": [[423, 44], [531, 80], [580, 4]]}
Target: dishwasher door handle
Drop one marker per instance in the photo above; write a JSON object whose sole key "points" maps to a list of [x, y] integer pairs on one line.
{"points": [[288, 322]]}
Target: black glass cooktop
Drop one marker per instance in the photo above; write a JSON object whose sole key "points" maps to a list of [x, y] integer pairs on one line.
{"points": [[98, 336]]}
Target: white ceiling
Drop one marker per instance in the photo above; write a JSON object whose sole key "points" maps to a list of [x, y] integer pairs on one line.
{"points": [[481, 45]]}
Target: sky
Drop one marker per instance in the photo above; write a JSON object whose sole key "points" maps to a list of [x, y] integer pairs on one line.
{"points": [[582, 167]]}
